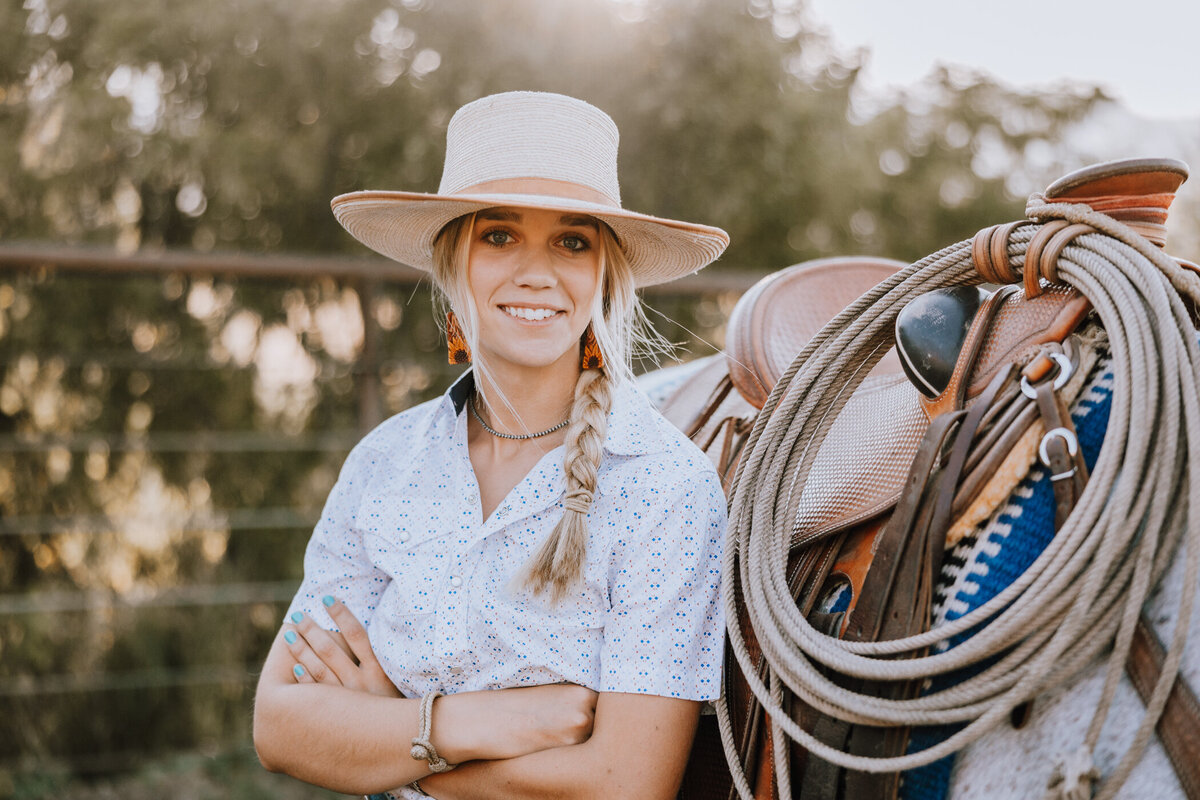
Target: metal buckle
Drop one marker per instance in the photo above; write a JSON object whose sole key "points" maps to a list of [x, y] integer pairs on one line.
{"points": [[1068, 436], [1065, 370]]}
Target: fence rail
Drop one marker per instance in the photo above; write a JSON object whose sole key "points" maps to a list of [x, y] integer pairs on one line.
{"points": [[16, 255]]}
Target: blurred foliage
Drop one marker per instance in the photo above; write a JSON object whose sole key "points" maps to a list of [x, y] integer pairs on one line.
{"points": [[228, 126]]}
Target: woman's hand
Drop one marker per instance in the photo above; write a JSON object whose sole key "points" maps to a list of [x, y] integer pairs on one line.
{"points": [[341, 659], [515, 722]]}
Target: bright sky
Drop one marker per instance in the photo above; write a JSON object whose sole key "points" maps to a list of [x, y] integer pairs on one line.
{"points": [[1145, 53]]}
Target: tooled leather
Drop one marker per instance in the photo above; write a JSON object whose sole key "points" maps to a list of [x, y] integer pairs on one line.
{"points": [[1022, 325], [773, 321]]}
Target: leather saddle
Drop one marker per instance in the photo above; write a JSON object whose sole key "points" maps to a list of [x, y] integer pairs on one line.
{"points": [[868, 562], [771, 322]]}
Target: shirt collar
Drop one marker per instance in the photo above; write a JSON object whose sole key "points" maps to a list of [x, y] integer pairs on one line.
{"points": [[461, 390], [633, 423]]}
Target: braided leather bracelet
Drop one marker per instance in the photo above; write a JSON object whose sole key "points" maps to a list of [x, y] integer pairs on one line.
{"points": [[423, 749]]}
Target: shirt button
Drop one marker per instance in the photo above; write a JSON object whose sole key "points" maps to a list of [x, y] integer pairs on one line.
{"points": [[455, 581], [404, 535]]}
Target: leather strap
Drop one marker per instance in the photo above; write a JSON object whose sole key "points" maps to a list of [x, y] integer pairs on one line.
{"points": [[866, 621], [1179, 726], [895, 602], [955, 393], [1033, 255], [714, 401], [1068, 471], [910, 595], [952, 473]]}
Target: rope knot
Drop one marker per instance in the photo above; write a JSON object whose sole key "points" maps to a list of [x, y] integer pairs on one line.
{"points": [[1074, 776], [578, 500]]}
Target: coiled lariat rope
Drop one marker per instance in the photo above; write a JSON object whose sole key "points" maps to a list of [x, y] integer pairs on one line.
{"points": [[1082, 594]]}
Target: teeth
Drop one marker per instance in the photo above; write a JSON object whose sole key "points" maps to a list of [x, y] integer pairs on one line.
{"points": [[529, 313]]}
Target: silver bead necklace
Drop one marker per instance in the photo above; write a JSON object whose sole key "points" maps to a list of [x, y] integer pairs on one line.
{"points": [[494, 432]]}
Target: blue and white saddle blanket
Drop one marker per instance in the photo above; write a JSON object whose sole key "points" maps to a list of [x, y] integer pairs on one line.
{"points": [[984, 563]]}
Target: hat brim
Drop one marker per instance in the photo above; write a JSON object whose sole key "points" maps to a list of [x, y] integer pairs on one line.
{"points": [[403, 225]]}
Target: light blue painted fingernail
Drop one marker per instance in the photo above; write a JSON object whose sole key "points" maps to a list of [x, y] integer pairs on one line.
{"points": [[298, 671], [328, 600], [298, 617], [290, 638]]}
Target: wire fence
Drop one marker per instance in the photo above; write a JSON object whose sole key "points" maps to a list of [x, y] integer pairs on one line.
{"points": [[82, 632]]}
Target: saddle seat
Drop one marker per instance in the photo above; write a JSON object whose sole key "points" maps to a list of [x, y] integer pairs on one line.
{"points": [[860, 471]]}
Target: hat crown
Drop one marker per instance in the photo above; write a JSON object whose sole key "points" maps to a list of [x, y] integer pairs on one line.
{"points": [[538, 135]]}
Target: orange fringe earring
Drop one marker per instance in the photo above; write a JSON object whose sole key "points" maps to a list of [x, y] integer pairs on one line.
{"points": [[589, 348], [456, 343]]}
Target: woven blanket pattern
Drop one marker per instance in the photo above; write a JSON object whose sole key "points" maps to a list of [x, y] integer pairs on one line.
{"points": [[987, 561]]}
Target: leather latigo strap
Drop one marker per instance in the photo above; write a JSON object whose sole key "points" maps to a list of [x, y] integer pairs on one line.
{"points": [[897, 594], [1179, 726]]}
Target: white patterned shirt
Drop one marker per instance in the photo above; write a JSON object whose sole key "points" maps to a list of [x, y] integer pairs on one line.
{"points": [[403, 543]]}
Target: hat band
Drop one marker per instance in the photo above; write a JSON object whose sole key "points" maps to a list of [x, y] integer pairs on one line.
{"points": [[542, 186]]}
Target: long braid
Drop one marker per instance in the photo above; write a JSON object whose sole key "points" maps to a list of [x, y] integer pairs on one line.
{"points": [[558, 563]]}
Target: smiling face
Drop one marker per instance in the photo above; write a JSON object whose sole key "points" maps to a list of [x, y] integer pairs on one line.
{"points": [[534, 276]]}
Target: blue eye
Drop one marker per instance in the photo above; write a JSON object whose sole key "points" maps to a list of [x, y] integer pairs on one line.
{"points": [[497, 238], [576, 244]]}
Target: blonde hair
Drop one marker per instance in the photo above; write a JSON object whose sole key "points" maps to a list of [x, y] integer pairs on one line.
{"points": [[620, 328]]}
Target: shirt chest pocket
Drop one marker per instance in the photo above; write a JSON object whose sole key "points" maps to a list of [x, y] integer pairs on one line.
{"points": [[409, 541]]}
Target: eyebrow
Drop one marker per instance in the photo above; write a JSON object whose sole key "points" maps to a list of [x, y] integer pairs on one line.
{"points": [[573, 220], [503, 216], [577, 221]]}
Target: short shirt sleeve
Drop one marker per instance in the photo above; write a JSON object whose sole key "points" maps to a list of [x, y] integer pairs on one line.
{"points": [[665, 632], [335, 562]]}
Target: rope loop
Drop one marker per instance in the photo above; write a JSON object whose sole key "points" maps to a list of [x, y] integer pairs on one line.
{"points": [[1139, 514], [989, 252]]}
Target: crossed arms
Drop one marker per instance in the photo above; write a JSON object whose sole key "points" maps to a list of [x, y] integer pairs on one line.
{"points": [[342, 725]]}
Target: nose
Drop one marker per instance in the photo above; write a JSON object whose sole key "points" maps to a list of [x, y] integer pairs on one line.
{"points": [[535, 268]]}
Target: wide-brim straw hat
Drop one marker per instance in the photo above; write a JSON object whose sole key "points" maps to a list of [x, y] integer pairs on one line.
{"points": [[529, 150]]}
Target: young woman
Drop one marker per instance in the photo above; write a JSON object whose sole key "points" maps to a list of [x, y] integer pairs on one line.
{"points": [[534, 557]]}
